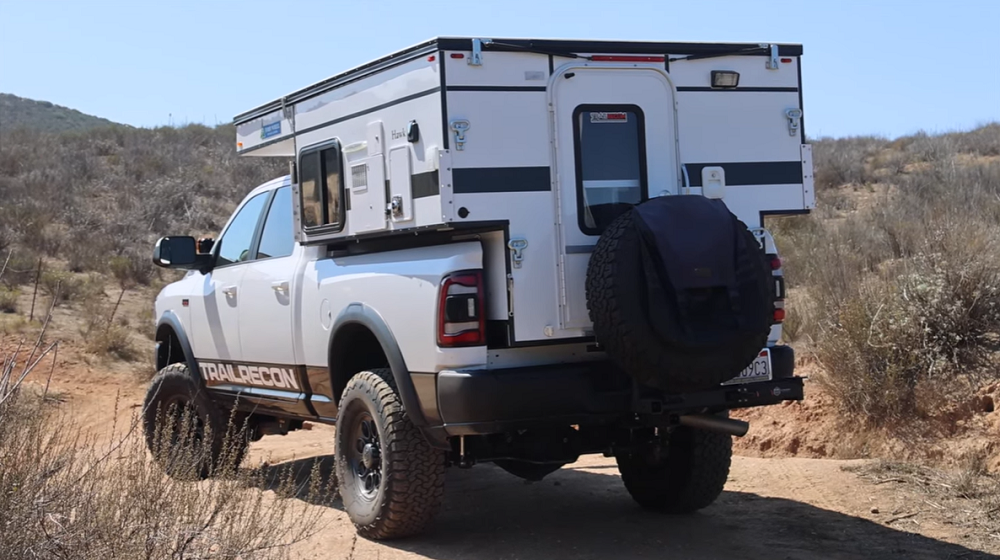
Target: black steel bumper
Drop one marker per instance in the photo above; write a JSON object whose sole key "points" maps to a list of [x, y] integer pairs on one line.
{"points": [[491, 401]]}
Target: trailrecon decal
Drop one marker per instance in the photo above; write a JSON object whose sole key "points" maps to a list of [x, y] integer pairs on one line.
{"points": [[603, 117], [252, 375]]}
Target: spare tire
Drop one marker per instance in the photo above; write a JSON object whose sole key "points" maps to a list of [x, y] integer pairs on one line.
{"points": [[680, 293]]}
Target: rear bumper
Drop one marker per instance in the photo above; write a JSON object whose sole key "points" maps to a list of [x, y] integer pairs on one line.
{"points": [[490, 401]]}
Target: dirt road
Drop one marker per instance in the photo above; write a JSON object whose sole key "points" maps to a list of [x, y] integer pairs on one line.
{"points": [[774, 509]]}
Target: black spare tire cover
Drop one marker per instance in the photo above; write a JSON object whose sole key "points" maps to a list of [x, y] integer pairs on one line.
{"points": [[680, 293]]}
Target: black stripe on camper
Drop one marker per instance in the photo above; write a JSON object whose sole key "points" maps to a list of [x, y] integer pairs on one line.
{"points": [[501, 179], [740, 89], [425, 184], [752, 173], [536, 89]]}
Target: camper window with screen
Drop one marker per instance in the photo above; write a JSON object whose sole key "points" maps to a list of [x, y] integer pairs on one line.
{"points": [[320, 188], [610, 163]]}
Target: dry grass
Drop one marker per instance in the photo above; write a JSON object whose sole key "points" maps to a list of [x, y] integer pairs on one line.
{"points": [[968, 497], [69, 496]]}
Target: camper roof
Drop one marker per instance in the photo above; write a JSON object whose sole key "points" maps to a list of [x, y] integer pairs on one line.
{"points": [[556, 47]]}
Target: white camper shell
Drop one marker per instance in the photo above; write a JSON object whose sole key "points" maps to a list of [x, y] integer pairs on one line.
{"points": [[519, 141]]}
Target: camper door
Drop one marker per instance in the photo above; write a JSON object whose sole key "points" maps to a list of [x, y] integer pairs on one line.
{"points": [[615, 128]]}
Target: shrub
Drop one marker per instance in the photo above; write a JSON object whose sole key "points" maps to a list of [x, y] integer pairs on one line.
{"points": [[904, 290], [21, 268], [8, 299], [112, 340], [843, 161], [70, 496], [62, 284]]}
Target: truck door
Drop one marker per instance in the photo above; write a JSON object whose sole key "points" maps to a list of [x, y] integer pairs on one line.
{"points": [[266, 318], [615, 131], [215, 311]]}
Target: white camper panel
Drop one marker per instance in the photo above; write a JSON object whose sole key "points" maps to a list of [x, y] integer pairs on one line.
{"points": [[370, 118], [498, 147], [269, 135]]}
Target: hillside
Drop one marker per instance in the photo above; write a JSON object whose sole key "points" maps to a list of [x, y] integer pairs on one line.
{"points": [[95, 196], [19, 112]]}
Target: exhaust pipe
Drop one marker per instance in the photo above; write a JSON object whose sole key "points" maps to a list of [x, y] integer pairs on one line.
{"points": [[711, 423]]}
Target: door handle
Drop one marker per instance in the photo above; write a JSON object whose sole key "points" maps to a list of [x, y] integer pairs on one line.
{"points": [[230, 291], [280, 287]]}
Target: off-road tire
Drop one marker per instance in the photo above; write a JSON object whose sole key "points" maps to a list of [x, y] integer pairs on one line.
{"points": [[616, 309], [690, 476], [194, 457], [411, 485]]}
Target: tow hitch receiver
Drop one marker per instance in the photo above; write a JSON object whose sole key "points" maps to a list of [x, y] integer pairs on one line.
{"points": [[727, 397]]}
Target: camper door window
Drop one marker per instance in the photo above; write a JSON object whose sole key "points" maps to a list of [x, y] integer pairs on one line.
{"points": [[610, 163]]}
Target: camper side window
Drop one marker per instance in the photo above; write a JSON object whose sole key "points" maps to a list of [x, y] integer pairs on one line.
{"points": [[320, 188], [610, 163]]}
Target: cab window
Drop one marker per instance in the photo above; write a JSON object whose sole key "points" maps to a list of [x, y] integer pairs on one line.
{"points": [[234, 244], [278, 237], [610, 163]]}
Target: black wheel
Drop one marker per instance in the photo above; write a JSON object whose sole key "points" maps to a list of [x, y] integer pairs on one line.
{"points": [[390, 479], [190, 436], [639, 318], [680, 473]]}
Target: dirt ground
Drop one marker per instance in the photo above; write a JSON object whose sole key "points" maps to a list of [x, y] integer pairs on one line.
{"points": [[778, 507], [772, 508]]}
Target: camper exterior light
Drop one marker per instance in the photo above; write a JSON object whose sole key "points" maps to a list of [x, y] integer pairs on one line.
{"points": [[725, 79]]}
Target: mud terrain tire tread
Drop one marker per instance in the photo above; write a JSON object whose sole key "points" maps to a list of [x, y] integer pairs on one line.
{"points": [[690, 478], [632, 343], [412, 488], [176, 381]]}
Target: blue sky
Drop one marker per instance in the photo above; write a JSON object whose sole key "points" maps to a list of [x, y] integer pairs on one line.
{"points": [[887, 67]]}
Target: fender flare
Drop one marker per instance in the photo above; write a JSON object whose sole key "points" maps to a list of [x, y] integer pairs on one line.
{"points": [[364, 315], [170, 319]]}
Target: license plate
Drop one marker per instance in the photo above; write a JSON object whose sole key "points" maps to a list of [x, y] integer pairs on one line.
{"points": [[758, 370]]}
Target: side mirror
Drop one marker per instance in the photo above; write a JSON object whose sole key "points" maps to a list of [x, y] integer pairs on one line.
{"points": [[179, 252]]}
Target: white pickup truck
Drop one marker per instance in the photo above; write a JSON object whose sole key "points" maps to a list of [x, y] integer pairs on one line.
{"points": [[506, 251]]}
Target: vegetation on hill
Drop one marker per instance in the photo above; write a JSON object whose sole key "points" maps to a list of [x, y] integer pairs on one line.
{"points": [[897, 274], [102, 197], [18, 112]]}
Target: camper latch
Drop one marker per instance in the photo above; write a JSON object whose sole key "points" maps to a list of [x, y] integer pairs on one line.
{"points": [[395, 207], [773, 62], [477, 51], [459, 127], [517, 245], [793, 115]]}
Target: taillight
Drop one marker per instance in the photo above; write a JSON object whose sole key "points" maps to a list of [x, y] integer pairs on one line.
{"points": [[779, 288], [461, 320]]}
